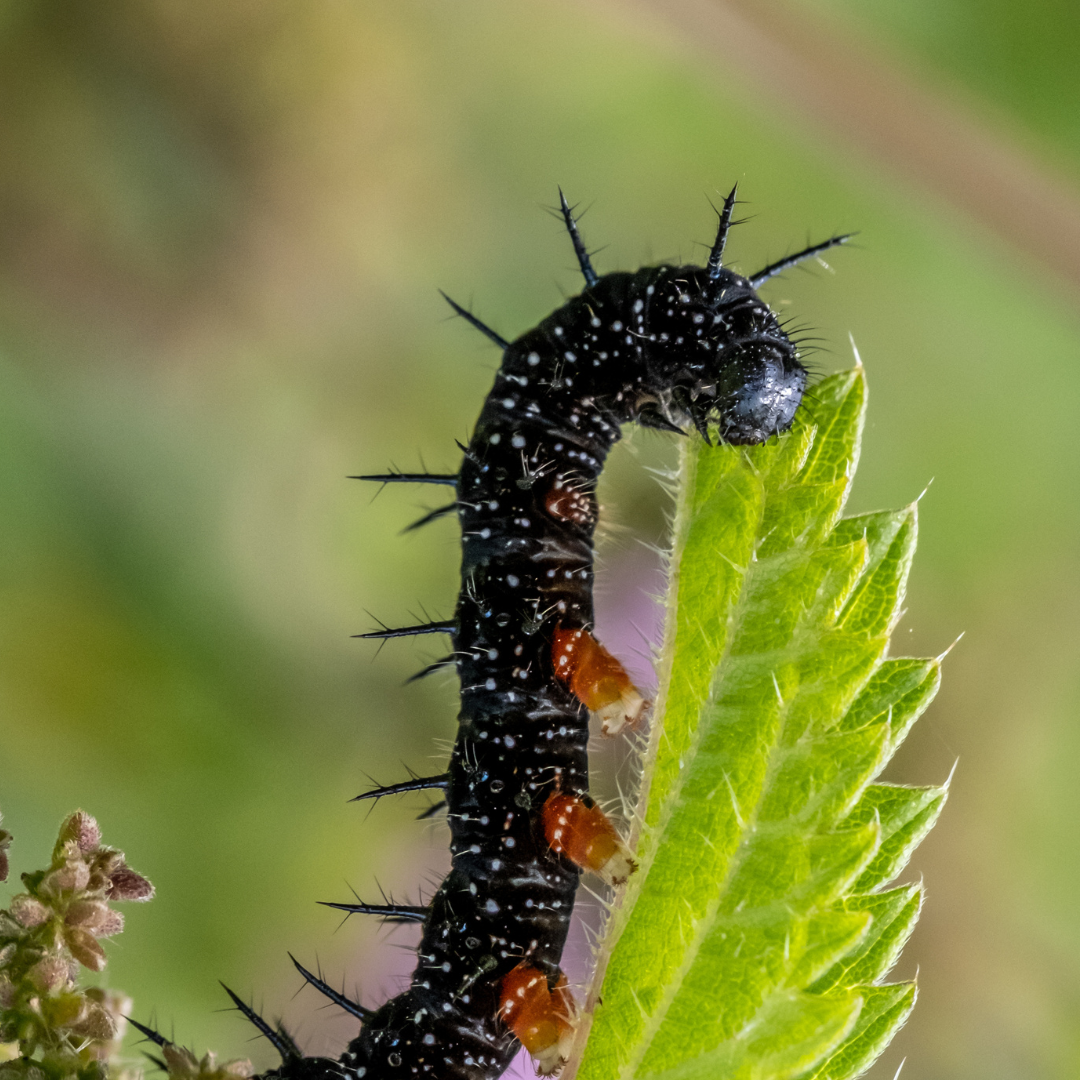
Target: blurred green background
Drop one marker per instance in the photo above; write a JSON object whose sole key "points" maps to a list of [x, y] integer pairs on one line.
{"points": [[222, 228]]}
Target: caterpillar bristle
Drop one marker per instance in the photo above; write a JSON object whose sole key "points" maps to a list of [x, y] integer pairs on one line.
{"points": [[391, 913], [716, 256], [432, 810], [409, 631], [294, 1051], [337, 998], [418, 783], [650, 416], [409, 478], [781, 265], [149, 1032], [587, 271], [433, 515], [278, 1037], [445, 662], [472, 320]]}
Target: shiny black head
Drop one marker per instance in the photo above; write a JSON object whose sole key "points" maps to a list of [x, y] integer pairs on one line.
{"points": [[716, 355]]}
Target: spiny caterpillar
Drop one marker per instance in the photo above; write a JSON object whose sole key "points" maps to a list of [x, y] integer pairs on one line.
{"points": [[666, 346]]}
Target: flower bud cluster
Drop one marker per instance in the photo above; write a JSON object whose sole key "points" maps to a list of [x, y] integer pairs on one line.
{"points": [[51, 1028], [182, 1064]]}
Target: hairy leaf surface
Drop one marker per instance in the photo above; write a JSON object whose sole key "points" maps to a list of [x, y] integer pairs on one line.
{"points": [[753, 941]]}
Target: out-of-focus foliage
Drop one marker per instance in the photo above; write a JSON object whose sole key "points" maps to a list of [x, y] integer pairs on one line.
{"points": [[1020, 58], [223, 227]]}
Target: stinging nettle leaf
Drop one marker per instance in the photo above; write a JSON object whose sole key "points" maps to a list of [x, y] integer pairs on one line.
{"points": [[753, 939], [891, 918], [884, 1010]]}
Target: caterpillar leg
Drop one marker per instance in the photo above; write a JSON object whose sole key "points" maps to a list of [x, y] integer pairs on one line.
{"points": [[577, 828], [596, 679], [542, 1018]]}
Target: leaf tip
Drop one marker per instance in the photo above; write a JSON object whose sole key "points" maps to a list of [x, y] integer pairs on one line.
{"points": [[855, 353]]}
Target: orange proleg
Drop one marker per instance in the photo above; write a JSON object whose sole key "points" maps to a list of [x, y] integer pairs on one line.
{"points": [[596, 679], [541, 1018], [577, 828]]}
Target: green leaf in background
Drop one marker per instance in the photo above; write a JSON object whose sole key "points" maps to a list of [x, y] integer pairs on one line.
{"points": [[753, 940]]}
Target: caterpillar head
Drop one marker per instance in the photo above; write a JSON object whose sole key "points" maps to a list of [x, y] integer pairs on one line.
{"points": [[719, 358]]}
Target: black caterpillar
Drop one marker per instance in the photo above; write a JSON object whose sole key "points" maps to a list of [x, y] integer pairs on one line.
{"points": [[666, 346]]}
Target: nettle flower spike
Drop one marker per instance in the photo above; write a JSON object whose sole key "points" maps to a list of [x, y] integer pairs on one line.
{"points": [[55, 1029], [72, 897]]}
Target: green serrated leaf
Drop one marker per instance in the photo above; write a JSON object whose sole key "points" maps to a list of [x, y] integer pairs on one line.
{"points": [[874, 603], [898, 691], [906, 815], [838, 413], [891, 916], [885, 1008], [793, 1033], [831, 937], [744, 945]]}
